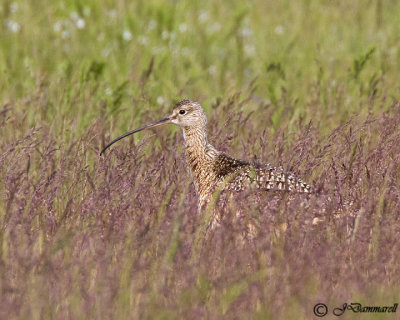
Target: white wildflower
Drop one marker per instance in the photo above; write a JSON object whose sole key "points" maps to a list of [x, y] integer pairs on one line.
{"points": [[160, 100], [112, 13], [152, 25], [212, 70], [12, 25], [182, 27], [80, 23], [245, 32], [74, 16], [213, 28], [221, 52], [127, 35], [65, 34], [143, 40], [57, 26], [106, 52], [203, 16], [279, 30], [14, 7], [164, 35], [185, 51], [250, 50]]}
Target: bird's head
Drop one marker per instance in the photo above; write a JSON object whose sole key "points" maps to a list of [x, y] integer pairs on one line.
{"points": [[187, 114]]}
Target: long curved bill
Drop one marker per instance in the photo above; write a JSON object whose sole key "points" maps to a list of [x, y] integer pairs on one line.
{"points": [[147, 126]]}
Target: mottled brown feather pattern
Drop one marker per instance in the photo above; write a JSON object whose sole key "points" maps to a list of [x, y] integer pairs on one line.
{"points": [[210, 168], [225, 165]]}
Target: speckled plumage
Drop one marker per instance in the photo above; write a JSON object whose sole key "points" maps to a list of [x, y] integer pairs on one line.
{"points": [[211, 168]]}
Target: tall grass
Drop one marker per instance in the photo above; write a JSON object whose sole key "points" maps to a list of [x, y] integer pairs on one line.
{"points": [[309, 85]]}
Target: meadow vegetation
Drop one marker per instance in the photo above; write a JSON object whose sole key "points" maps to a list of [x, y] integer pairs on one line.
{"points": [[312, 86]]}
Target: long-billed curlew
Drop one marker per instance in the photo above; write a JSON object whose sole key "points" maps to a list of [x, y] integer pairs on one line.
{"points": [[212, 168]]}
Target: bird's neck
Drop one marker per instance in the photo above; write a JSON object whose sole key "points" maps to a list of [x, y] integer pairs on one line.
{"points": [[200, 154], [196, 144]]}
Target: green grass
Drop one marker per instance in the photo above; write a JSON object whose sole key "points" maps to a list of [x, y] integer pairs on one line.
{"points": [[83, 237]]}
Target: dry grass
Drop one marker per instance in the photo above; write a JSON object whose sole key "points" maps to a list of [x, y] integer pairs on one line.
{"points": [[122, 238]]}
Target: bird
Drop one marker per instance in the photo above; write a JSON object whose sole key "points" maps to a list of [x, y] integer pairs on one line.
{"points": [[211, 168]]}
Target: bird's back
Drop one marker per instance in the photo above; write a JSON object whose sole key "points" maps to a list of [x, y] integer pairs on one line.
{"points": [[239, 175]]}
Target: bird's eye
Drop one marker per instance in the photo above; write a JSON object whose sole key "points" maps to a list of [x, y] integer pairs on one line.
{"points": [[182, 111]]}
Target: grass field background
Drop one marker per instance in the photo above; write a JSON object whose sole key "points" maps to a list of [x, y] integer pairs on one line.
{"points": [[312, 86]]}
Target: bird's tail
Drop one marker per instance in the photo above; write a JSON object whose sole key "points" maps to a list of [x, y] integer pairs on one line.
{"points": [[274, 178]]}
